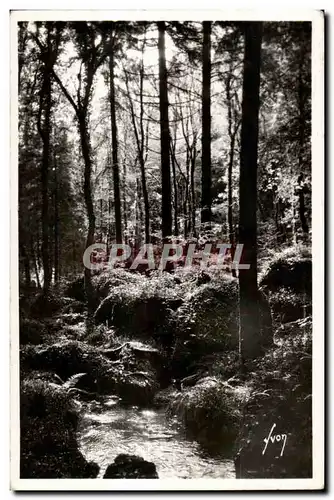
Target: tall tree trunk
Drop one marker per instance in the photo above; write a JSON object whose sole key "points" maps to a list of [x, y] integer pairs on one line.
{"points": [[142, 144], [117, 196], [192, 190], [250, 337], [230, 201], [86, 153], [176, 227], [166, 209], [175, 189], [56, 225], [44, 128], [125, 219], [206, 125]]}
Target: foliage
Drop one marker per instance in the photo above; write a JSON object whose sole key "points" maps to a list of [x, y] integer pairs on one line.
{"points": [[211, 411], [48, 441], [31, 331], [282, 394]]}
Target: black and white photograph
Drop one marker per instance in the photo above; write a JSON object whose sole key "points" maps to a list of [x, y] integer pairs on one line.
{"points": [[167, 302]]}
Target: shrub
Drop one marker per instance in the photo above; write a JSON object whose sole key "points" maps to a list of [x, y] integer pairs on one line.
{"points": [[282, 394], [76, 289], [289, 306], [48, 441], [31, 331], [44, 306], [211, 412]]}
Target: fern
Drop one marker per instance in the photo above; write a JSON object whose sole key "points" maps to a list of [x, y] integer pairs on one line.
{"points": [[73, 380]]}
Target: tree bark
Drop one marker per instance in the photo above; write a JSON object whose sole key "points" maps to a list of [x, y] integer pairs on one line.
{"points": [[175, 189], [117, 196], [86, 153], [56, 226], [166, 209], [44, 128], [125, 219], [250, 338], [206, 125]]}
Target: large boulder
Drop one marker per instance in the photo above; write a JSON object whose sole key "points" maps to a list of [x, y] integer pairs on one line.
{"points": [[206, 323], [211, 313], [69, 358], [131, 467], [287, 281], [121, 371], [141, 310], [105, 281], [136, 372], [290, 269]]}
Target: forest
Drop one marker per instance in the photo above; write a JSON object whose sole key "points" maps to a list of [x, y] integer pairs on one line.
{"points": [[155, 135]]}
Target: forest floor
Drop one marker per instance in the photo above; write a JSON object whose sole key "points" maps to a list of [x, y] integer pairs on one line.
{"points": [[169, 342]]}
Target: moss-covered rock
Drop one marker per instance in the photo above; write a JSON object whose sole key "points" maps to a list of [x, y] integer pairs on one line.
{"points": [[287, 281], [105, 281], [141, 310], [69, 358], [291, 269], [206, 323], [130, 375], [131, 467]]}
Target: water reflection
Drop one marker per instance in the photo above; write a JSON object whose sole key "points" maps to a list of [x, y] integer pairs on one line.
{"points": [[108, 431]]}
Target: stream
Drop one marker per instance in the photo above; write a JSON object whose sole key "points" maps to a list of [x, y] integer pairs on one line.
{"points": [[108, 429]]}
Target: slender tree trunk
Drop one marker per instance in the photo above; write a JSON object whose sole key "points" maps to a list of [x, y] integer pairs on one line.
{"points": [[142, 152], [166, 210], [250, 338], [44, 129], [109, 223], [206, 125], [35, 262], [175, 189], [176, 227], [117, 196], [86, 153], [125, 219], [187, 204], [192, 189], [230, 193], [230, 201], [56, 226]]}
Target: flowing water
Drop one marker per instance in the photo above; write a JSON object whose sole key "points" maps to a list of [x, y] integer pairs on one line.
{"points": [[107, 430]]}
